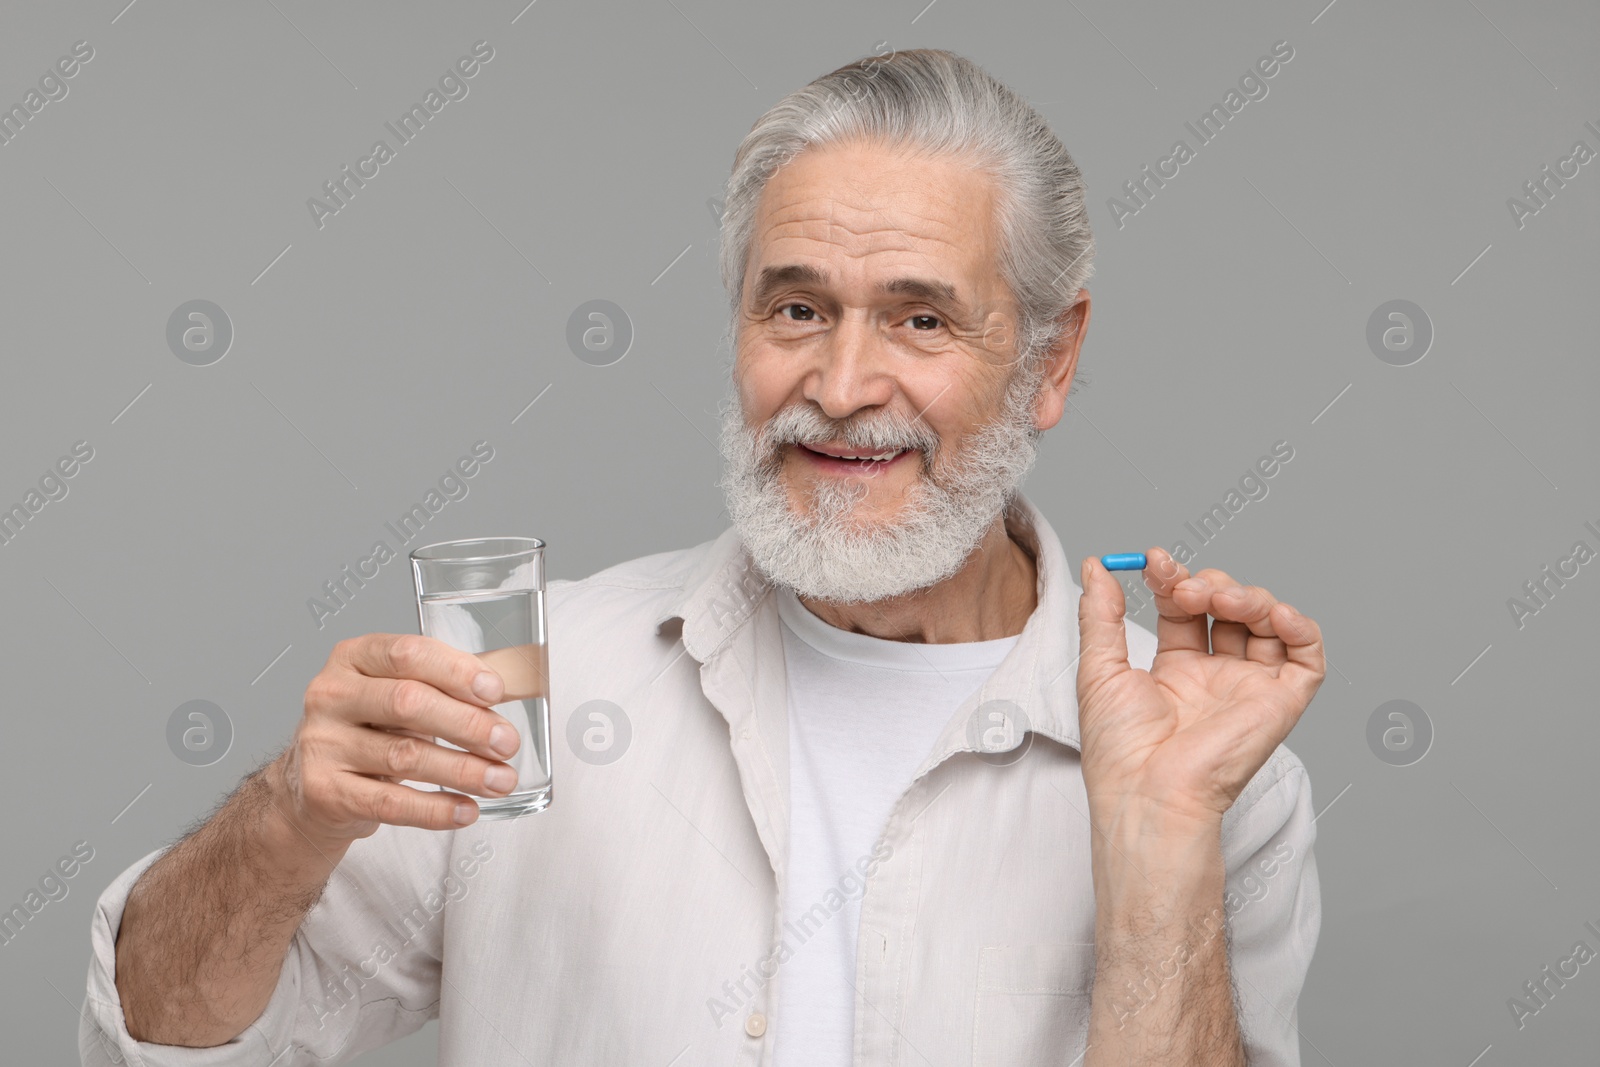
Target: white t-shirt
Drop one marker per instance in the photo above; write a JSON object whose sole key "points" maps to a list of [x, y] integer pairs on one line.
{"points": [[863, 714]]}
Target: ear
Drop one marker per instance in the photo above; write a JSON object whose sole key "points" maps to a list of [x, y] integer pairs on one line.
{"points": [[1062, 363]]}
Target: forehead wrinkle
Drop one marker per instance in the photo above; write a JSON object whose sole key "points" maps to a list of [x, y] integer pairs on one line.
{"points": [[950, 237], [910, 239], [945, 231], [878, 214], [923, 278], [931, 190], [877, 203]]}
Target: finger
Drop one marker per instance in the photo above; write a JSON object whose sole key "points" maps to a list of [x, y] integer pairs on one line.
{"points": [[1177, 628], [1102, 633], [1162, 571], [401, 805], [522, 670], [408, 733], [1229, 638], [1215, 593], [402, 757], [1307, 660], [1244, 616], [426, 659], [1252, 606], [409, 706]]}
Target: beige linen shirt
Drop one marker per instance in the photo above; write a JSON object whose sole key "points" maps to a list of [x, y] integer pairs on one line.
{"points": [[638, 920]]}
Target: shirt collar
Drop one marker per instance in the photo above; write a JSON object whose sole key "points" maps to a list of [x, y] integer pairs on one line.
{"points": [[1036, 678]]}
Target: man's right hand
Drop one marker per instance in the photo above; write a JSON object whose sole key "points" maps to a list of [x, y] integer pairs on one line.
{"points": [[370, 718]]}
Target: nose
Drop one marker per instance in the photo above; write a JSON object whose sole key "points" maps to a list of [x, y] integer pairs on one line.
{"points": [[850, 370]]}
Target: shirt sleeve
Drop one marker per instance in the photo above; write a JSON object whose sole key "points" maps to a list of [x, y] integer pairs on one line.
{"points": [[1274, 906], [363, 968]]}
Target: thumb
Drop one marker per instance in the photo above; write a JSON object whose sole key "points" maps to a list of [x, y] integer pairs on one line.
{"points": [[1102, 636]]}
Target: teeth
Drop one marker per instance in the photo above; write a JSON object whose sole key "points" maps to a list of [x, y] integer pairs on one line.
{"points": [[879, 458]]}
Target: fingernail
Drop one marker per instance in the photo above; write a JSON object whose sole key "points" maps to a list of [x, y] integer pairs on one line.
{"points": [[486, 685], [500, 779], [465, 813], [1195, 584], [503, 739]]}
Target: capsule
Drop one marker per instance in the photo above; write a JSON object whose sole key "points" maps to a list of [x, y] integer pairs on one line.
{"points": [[1123, 561]]}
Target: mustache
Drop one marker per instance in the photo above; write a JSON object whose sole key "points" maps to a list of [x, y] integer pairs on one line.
{"points": [[803, 425]]}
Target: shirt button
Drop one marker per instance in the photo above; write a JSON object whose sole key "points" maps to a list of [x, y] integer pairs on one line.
{"points": [[755, 1024]]}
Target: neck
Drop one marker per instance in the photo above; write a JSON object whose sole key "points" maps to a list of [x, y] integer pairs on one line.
{"points": [[990, 597]]}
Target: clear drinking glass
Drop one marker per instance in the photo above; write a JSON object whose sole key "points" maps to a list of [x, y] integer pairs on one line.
{"points": [[486, 596]]}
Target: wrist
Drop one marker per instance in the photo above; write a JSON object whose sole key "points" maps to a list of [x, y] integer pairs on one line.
{"points": [[1153, 866], [284, 834], [1133, 820]]}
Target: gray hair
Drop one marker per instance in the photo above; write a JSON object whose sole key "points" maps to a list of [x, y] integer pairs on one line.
{"points": [[939, 102]]}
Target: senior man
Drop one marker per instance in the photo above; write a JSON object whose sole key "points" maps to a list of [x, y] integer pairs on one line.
{"points": [[884, 801]]}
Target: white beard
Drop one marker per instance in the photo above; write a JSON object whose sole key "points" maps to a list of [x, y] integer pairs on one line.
{"points": [[831, 555]]}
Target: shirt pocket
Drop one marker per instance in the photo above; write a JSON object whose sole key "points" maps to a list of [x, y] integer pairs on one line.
{"points": [[1032, 1003]]}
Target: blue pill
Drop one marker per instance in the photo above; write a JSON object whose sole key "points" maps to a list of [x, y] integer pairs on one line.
{"points": [[1123, 561]]}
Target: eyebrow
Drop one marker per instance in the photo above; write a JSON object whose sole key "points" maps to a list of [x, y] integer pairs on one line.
{"points": [[933, 291]]}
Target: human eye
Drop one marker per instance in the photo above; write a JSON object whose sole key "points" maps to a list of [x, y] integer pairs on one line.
{"points": [[805, 311], [925, 318]]}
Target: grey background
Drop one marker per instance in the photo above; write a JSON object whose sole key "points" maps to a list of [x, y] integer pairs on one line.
{"points": [[1229, 313]]}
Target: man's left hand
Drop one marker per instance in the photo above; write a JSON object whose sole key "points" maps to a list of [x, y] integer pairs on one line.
{"points": [[1182, 739]]}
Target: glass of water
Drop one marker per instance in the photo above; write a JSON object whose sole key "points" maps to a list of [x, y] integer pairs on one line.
{"points": [[486, 596]]}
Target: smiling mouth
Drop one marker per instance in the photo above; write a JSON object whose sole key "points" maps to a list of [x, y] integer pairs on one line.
{"points": [[854, 461]]}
